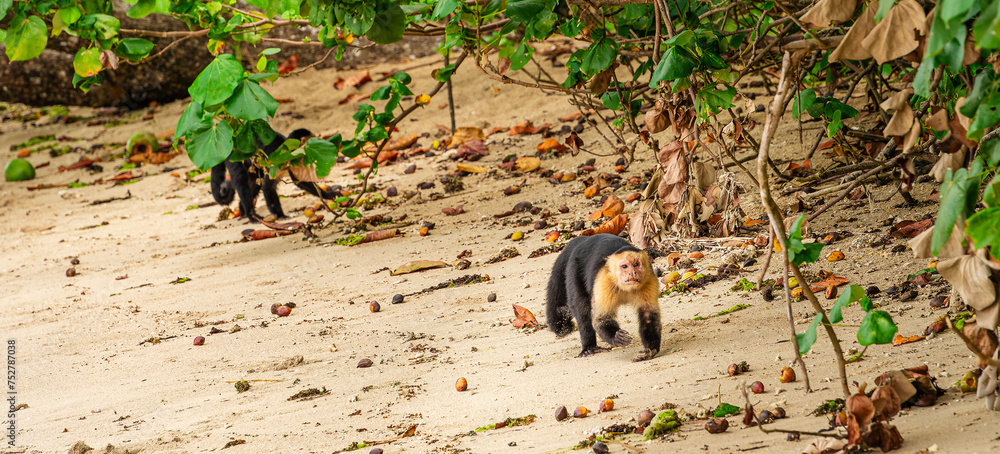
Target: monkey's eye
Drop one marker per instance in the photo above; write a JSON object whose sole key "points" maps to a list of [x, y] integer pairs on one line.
{"points": [[624, 266]]}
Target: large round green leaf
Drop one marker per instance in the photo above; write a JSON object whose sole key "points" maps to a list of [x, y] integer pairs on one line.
{"points": [[87, 62], [211, 146], [26, 38], [388, 24], [217, 81], [876, 328]]}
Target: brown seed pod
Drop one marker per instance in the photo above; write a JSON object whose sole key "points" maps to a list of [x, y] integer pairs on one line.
{"points": [[424, 231], [778, 412], [757, 387], [564, 209], [462, 384], [600, 448], [766, 416], [75, 261], [717, 426], [315, 219], [606, 405], [365, 363], [861, 406], [308, 213], [831, 292], [391, 192], [71, 272], [521, 207], [462, 264], [374, 306], [734, 370], [511, 190], [561, 413], [787, 375], [491, 297], [697, 255], [580, 412], [644, 418], [274, 308], [200, 340], [539, 225], [283, 311], [397, 299]]}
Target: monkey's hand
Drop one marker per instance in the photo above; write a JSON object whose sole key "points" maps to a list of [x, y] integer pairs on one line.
{"points": [[591, 351], [646, 354], [622, 338]]}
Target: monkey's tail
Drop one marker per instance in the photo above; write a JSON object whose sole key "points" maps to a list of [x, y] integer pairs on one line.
{"points": [[222, 190], [557, 311]]}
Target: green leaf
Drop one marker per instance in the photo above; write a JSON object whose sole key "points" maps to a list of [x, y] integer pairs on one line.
{"points": [[987, 116], [521, 56], [803, 101], [4, 6], [883, 8], [135, 49], [835, 124], [68, 16], [443, 74], [711, 100], [851, 294], [726, 410], [444, 8], [87, 62], [106, 26], [922, 79], [217, 81], [250, 102], [598, 56], [984, 29], [954, 9], [982, 228], [866, 304], [807, 338], [676, 63], [211, 146], [323, 153], [611, 100], [26, 38], [984, 85], [799, 252], [991, 195], [524, 10], [952, 206], [876, 328], [681, 39], [388, 24], [141, 9]]}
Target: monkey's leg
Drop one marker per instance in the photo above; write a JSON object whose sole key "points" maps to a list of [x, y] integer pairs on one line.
{"points": [[579, 303], [246, 188], [222, 190], [557, 313], [605, 315], [270, 189], [649, 331]]}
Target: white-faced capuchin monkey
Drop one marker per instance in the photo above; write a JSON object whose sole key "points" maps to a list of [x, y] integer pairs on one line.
{"points": [[591, 279]]}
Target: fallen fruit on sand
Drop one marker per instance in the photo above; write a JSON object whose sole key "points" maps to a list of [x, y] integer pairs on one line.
{"points": [[462, 384], [397, 299], [717, 426], [561, 413], [580, 412], [200, 340], [606, 405], [365, 363], [283, 311], [787, 375], [644, 418], [757, 387], [374, 306]]}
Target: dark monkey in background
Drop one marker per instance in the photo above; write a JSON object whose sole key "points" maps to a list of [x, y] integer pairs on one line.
{"points": [[591, 279], [244, 176]]}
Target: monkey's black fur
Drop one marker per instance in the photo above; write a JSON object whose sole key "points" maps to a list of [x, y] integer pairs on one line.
{"points": [[571, 295], [243, 176]]}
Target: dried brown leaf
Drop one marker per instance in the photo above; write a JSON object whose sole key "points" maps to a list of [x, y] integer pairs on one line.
{"points": [[356, 80], [550, 144], [921, 244], [453, 211], [911, 138], [574, 142], [939, 120], [971, 278], [418, 265], [897, 34], [524, 317], [613, 226], [379, 235], [471, 168], [527, 164], [656, 121], [850, 47], [465, 134], [946, 161], [826, 12], [704, 174], [985, 339]]}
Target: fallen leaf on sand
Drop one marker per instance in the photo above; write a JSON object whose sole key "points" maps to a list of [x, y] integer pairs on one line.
{"points": [[288, 65], [356, 80], [898, 340], [465, 134], [551, 144], [613, 206], [254, 235], [418, 265], [575, 142], [613, 226], [453, 211], [910, 229], [525, 127], [471, 168], [831, 280], [525, 319], [527, 164], [379, 235]]}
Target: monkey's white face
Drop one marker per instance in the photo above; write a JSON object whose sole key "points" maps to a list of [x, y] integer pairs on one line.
{"points": [[630, 271]]}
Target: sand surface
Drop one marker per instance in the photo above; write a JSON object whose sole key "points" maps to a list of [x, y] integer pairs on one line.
{"points": [[86, 375]]}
